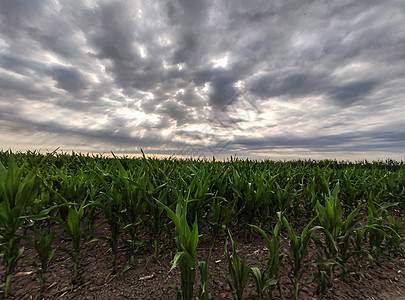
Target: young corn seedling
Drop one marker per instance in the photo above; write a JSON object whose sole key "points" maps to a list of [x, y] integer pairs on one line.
{"points": [[238, 186], [43, 237], [71, 185], [157, 188], [395, 234], [157, 223], [338, 233], [267, 281], [17, 193], [146, 188], [376, 229], [205, 276], [199, 188], [284, 195], [42, 243], [131, 191], [213, 218], [186, 241], [298, 249], [73, 228], [238, 269], [112, 207]]}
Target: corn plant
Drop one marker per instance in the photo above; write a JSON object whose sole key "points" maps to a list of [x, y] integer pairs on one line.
{"points": [[238, 270], [131, 193], [73, 228], [213, 217], [283, 195], [359, 251], [40, 224], [17, 193], [299, 246], [112, 207], [161, 190], [199, 190], [42, 243], [351, 188], [156, 222], [395, 234], [146, 188], [267, 280], [376, 228], [71, 185], [238, 187], [258, 198], [186, 241], [220, 181], [205, 276], [338, 232]]}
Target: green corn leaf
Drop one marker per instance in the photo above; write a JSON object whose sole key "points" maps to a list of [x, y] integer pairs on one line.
{"points": [[192, 241], [174, 218], [351, 216], [261, 231], [182, 257]]}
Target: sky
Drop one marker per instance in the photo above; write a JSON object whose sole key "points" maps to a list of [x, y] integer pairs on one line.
{"points": [[277, 79]]}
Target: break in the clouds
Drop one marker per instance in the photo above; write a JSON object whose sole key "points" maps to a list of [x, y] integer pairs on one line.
{"points": [[275, 79]]}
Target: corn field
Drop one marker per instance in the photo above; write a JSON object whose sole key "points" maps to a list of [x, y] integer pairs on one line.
{"points": [[349, 212]]}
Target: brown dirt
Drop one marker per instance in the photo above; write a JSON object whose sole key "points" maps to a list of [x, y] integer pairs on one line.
{"points": [[149, 278]]}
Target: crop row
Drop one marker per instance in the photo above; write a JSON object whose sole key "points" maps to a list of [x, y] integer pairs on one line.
{"points": [[345, 210]]}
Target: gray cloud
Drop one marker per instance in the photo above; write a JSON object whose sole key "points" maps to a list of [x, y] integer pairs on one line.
{"points": [[358, 141], [68, 79], [349, 93], [290, 85], [19, 65], [18, 16]]}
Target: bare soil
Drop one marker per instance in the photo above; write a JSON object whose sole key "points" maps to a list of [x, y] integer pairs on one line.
{"points": [[149, 278]]}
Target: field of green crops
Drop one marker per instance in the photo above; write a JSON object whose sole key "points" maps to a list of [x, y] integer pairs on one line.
{"points": [[350, 212]]}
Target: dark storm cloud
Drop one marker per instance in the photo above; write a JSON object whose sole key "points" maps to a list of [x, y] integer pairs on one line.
{"points": [[221, 82], [68, 79], [18, 15], [19, 65], [290, 85], [358, 141], [294, 86], [189, 18], [128, 71], [114, 33], [349, 93], [13, 89], [174, 110], [117, 34], [188, 46]]}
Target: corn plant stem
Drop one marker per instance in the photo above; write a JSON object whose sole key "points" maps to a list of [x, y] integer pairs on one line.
{"points": [[7, 289], [187, 278]]}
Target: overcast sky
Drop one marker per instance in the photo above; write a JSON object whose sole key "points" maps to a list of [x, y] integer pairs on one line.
{"points": [[262, 79]]}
